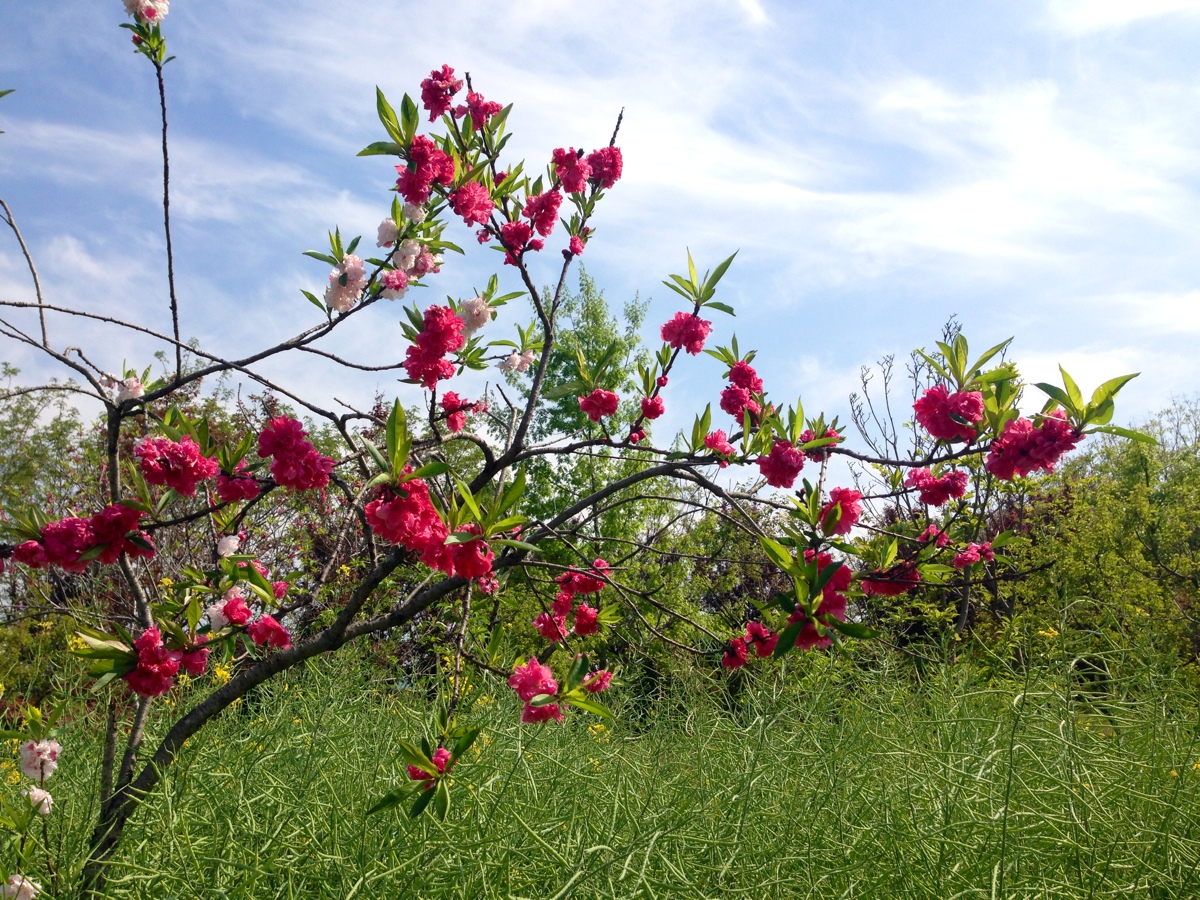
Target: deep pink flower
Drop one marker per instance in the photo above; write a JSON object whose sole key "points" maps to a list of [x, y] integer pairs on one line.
{"points": [[428, 165], [269, 632], [66, 540], [598, 681], [177, 465], [533, 715], [899, 579], [833, 606], [32, 554], [515, 238], [937, 491], [973, 554], [718, 442], [111, 527], [542, 211], [840, 580], [532, 679], [405, 516], [575, 246], [849, 502], [456, 409], [235, 610], [949, 417], [586, 620], [735, 654], [441, 758], [606, 164], [761, 638], [473, 202], [933, 533], [279, 589], [781, 466], [1022, 448], [472, 559], [820, 454], [599, 403], [743, 375], [572, 171], [195, 661], [653, 407], [480, 110], [296, 463], [686, 332], [156, 666], [237, 486], [735, 399], [551, 626], [438, 90]]}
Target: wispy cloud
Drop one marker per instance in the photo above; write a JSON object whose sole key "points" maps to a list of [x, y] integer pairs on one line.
{"points": [[1084, 16]]}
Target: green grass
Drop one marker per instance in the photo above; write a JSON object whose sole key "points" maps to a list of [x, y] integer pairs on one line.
{"points": [[829, 782]]}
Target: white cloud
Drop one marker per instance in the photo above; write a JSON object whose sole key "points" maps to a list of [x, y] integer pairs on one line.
{"points": [[1084, 16]]}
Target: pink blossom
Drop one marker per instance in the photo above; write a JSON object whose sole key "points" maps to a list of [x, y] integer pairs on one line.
{"points": [[387, 233], [234, 609], [743, 375], [734, 400], [394, 284], [572, 171], [296, 463], [575, 246], [933, 533], [686, 332], [149, 12], [111, 528], [456, 409], [438, 90], [598, 681], [849, 503], [839, 581], [735, 654], [39, 759], [781, 466], [1022, 448], [130, 389], [534, 715], [586, 620], [18, 887], [473, 202], [279, 589], [405, 516], [475, 313], [195, 661], [237, 485], [937, 491], [32, 554], [156, 665], [346, 282], [718, 442], [599, 403], [542, 211], [606, 164], [441, 758], [551, 626], [973, 554], [39, 798], [761, 638], [949, 417], [269, 632], [532, 679], [833, 606], [472, 559], [515, 236], [427, 165], [892, 582], [820, 454], [653, 407], [66, 540], [480, 110], [179, 466]]}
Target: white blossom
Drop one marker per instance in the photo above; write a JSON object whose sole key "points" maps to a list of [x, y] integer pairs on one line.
{"points": [[39, 759], [228, 545], [19, 887], [414, 213], [475, 314], [39, 799]]}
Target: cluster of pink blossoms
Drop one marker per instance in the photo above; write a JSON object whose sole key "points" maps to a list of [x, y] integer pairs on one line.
{"points": [[973, 554], [553, 625], [534, 680], [781, 466], [653, 407], [687, 331], [441, 758], [178, 465], [473, 202], [848, 505], [425, 361], [739, 396], [478, 109], [438, 90], [296, 463], [820, 454], [157, 666], [237, 485], [346, 283], [65, 542], [38, 761], [405, 516], [937, 491], [573, 170], [718, 442], [1023, 448], [599, 403], [456, 409], [933, 533], [427, 165], [149, 12], [892, 582], [947, 416]]}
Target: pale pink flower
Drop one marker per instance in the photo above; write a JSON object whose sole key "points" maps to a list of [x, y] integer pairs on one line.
{"points": [[129, 389], [527, 359], [228, 545], [148, 11], [415, 213], [19, 887], [510, 362], [39, 799], [39, 759], [475, 313], [395, 284], [387, 234]]}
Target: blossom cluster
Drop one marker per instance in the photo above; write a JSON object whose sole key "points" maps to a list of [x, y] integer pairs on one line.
{"points": [[947, 416], [536, 680], [295, 463], [179, 465], [237, 485], [687, 331], [1023, 448], [148, 12], [442, 333], [38, 761], [744, 387], [346, 283], [441, 757], [598, 404], [456, 409], [66, 542], [552, 625], [937, 490]]}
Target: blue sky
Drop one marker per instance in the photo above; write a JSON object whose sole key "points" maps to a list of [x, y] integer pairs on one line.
{"points": [[1029, 165]]}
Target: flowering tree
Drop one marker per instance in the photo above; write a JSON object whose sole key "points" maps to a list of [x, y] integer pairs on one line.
{"points": [[426, 516]]}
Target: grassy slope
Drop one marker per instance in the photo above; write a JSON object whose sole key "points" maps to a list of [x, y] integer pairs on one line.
{"points": [[851, 785]]}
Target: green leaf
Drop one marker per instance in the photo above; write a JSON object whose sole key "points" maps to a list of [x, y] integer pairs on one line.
{"points": [[779, 554], [464, 742], [381, 148], [853, 629], [429, 470], [1072, 390], [410, 118], [419, 806], [468, 498], [387, 116], [589, 705], [441, 799], [314, 301], [495, 644], [393, 798], [1057, 393], [398, 442], [323, 257], [692, 271], [787, 638], [6, 735], [1109, 389], [723, 307], [510, 542], [718, 274], [1125, 433]]}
